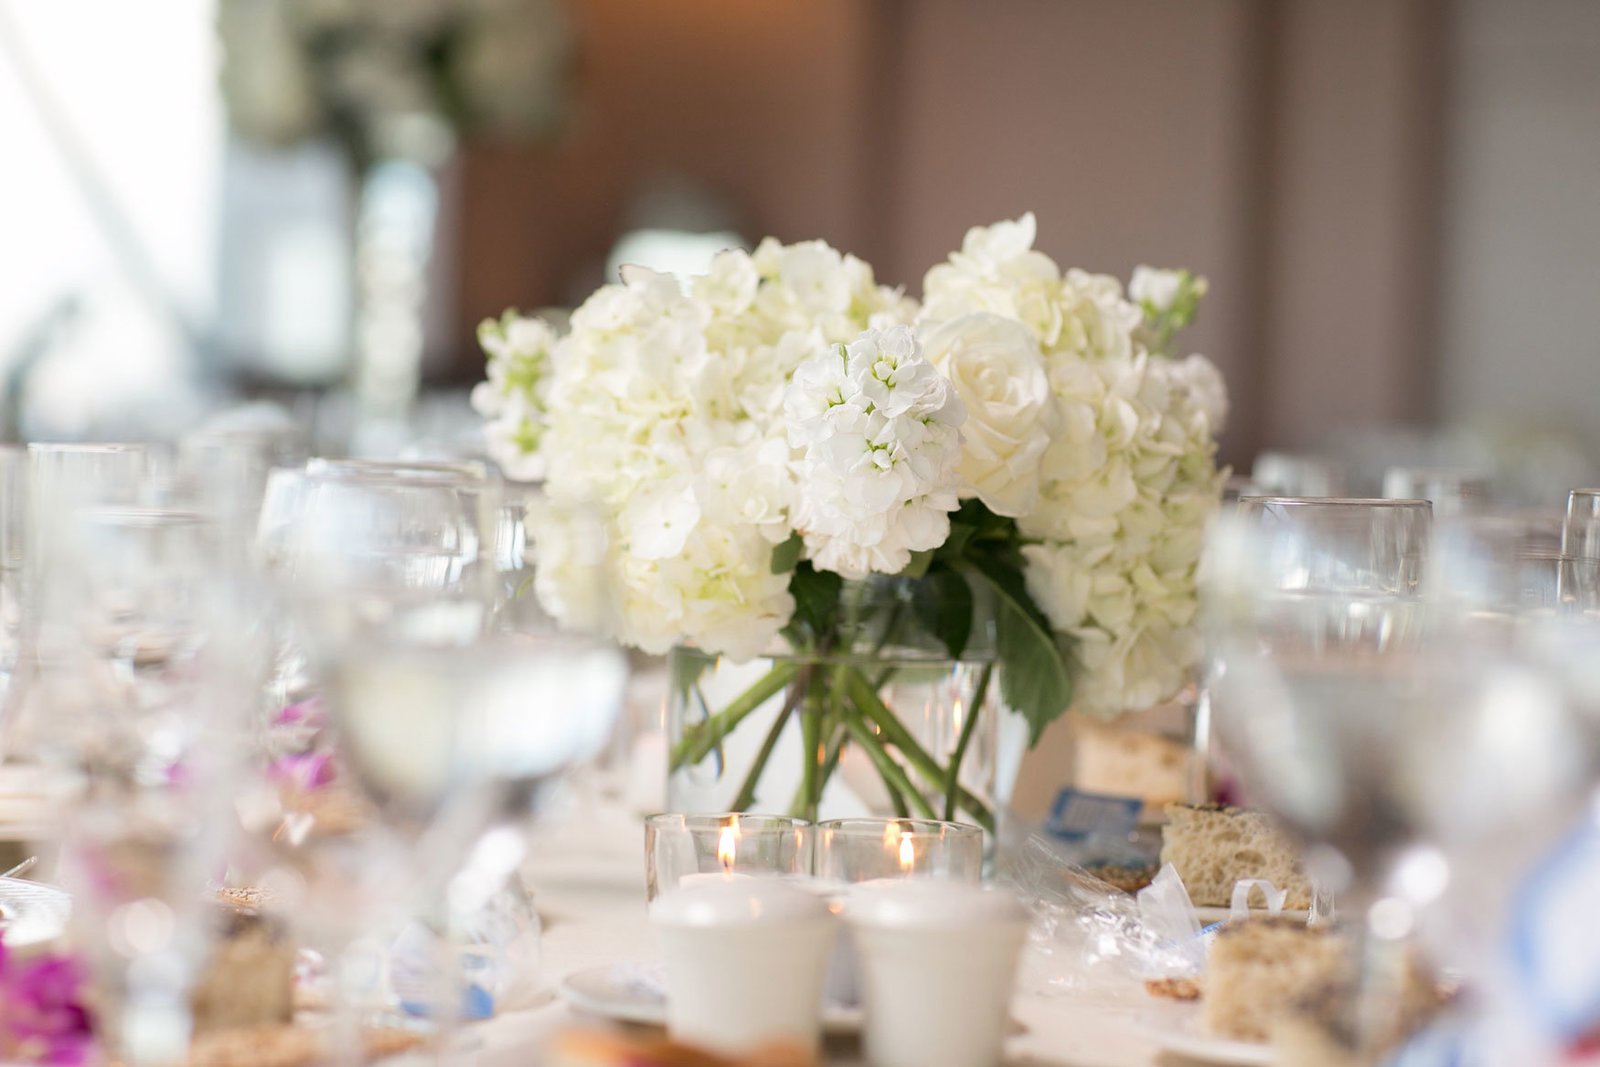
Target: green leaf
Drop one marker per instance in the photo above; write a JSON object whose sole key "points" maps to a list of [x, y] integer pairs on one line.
{"points": [[942, 600], [816, 599], [1033, 672], [918, 565], [956, 543], [787, 555], [686, 666]]}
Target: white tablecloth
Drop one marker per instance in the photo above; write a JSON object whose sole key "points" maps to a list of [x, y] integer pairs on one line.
{"points": [[589, 884]]}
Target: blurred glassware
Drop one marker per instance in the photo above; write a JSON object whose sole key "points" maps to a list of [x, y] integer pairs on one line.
{"points": [[149, 659], [1313, 614], [61, 481], [454, 747], [722, 845], [357, 549], [1291, 474], [13, 553], [1580, 532], [1451, 491], [224, 471]]}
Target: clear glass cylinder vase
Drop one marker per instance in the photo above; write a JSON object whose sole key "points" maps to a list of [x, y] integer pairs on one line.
{"points": [[837, 736]]}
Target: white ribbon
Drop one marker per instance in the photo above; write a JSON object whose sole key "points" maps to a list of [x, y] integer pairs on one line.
{"points": [[1240, 907]]}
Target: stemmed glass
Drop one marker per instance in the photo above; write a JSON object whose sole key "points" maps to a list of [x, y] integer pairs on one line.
{"points": [[1313, 614], [148, 663]]}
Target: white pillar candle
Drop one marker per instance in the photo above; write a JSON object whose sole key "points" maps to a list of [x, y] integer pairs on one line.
{"points": [[746, 960], [938, 962]]}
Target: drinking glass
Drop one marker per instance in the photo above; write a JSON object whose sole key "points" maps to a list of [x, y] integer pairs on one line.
{"points": [[679, 847], [13, 538], [1313, 612], [146, 667], [450, 742], [1580, 533], [1451, 491], [860, 850]]}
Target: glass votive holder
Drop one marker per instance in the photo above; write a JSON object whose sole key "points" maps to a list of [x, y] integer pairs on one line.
{"points": [[861, 850], [688, 849]]}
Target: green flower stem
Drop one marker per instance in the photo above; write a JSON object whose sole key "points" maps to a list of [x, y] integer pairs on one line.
{"points": [[894, 777], [747, 790], [698, 741], [810, 740], [866, 699], [952, 775]]}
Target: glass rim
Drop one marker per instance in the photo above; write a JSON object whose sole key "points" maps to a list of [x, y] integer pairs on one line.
{"points": [[88, 448], [860, 825], [1338, 501], [142, 515], [425, 471], [716, 820]]}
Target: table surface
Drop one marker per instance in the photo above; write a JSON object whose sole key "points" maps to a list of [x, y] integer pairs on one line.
{"points": [[588, 882]]}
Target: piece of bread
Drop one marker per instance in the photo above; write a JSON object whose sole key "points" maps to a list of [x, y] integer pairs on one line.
{"points": [[1213, 847], [285, 1045], [249, 977], [1127, 879], [594, 1048], [1130, 763], [1174, 988], [1261, 970]]}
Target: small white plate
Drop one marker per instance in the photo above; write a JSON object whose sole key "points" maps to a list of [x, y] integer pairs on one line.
{"points": [[32, 912], [607, 991], [1221, 915], [1181, 1028]]}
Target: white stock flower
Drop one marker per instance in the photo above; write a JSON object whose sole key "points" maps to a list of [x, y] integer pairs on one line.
{"points": [[995, 367], [1157, 287], [513, 398], [878, 428]]}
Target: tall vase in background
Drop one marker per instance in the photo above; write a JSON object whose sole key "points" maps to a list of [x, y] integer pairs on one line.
{"points": [[397, 238]]}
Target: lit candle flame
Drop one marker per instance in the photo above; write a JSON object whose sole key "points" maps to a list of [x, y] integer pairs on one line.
{"points": [[908, 856], [726, 842]]}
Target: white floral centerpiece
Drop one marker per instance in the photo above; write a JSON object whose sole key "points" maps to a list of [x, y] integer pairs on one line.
{"points": [[1020, 452]]}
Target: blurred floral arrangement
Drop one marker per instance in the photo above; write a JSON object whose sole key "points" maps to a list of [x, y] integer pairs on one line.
{"points": [[364, 70], [761, 436], [43, 1018]]}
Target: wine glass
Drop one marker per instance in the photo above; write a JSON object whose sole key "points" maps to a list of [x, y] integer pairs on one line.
{"points": [[1313, 612], [147, 658], [452, 742]]}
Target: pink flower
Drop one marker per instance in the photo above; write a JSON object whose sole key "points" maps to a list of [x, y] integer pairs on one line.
{"points": [[42, 1017]]}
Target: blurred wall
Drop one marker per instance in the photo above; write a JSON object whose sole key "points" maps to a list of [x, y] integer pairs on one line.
{"points": [[1522, 226], [1287, 149]]}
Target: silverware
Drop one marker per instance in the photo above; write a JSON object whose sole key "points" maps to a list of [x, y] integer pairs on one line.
{"points": [[21, 868]]}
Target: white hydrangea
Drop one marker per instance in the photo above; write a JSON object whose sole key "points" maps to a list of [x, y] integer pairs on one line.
{"points": [[512, 400], [878, 428], [664, 412], [1128, 478]]}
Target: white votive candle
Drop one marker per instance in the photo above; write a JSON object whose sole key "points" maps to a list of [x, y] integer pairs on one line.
{"points": [[938, 960], [746, 960]]}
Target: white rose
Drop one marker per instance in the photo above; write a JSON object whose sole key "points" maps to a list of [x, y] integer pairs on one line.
{"points": [[996, 368]]}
